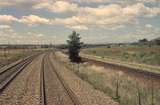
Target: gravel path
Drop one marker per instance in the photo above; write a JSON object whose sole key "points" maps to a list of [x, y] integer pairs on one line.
{"points": [[25, 88], [55, 93], [84, 91]]}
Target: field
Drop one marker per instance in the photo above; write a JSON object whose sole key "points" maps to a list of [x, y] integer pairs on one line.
{"points": [[8, 56], [126, 89], [136, 54]]}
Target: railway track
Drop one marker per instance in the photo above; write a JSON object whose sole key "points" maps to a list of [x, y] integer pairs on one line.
{"points": [[42, 84], [123, 68], [73, 98], [8, 74], [128, 70]]}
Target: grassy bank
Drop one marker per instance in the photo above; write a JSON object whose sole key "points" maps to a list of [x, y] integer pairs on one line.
{"points": [[136, 54], [121, 87], [10, 55]]}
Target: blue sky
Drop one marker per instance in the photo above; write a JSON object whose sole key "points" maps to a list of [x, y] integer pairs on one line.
{"points": [[97, 21]]}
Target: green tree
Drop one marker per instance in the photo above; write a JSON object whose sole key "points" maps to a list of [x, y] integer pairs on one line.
{"points": [[143, 40], [74, 46]]}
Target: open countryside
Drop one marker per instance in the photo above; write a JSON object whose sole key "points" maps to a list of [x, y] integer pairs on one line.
{"points": [[79, 52]]}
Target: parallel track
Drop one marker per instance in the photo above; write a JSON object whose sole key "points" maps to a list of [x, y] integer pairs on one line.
{"points": [[68, 91], [7, 75], [124, 68]]}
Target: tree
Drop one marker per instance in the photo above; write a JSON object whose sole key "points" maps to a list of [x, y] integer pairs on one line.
{"points": [[143, 41], [157, 41], [74, 46]]}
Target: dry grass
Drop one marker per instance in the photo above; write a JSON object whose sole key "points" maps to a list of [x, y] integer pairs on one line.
{"points": [[10, 55], [105, 80], [137, 54]]}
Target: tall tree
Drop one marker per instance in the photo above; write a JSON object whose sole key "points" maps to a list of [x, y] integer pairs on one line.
{"points": [[74, 46]]}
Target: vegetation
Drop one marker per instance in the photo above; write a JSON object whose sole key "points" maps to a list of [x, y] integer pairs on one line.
{"points": [[127, 90], [10, 55], [74, 46], [123, 89], [130, 53]]}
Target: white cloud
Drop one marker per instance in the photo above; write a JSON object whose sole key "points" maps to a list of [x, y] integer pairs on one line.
{"points": [[108, 10], [58, 6], [78, 27], [8, 35], [94, 1], [20, 3], [5, 4], [4, 19], [34, 20], [140, 9], [148, 26], [5, 27], [109, 16], [106, 16]]}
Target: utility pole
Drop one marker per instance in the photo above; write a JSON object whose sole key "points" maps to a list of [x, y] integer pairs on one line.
{"points": [[8, 53], [4, 53]]}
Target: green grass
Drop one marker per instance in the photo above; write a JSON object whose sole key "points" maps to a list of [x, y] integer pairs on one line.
{"points": [[136, 54]]}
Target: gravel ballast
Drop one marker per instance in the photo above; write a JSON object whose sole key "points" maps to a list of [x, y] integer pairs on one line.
{"points": [[86, 94], [25, 88], [54, 90]]}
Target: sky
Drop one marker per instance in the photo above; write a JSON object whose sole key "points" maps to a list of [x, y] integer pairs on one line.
{"points": [[97, 21]]}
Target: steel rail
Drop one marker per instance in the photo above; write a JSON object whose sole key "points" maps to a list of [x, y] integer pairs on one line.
{"points": [[68, 90]]}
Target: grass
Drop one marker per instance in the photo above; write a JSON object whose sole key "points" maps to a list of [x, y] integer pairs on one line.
{"points": [[128, 90], [131, 90], [11, 55], [136, 54]]}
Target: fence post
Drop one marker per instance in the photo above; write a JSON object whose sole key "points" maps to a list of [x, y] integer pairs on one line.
{"points": [[117, 89], [78, 67], [139, 94], [152, 90]]}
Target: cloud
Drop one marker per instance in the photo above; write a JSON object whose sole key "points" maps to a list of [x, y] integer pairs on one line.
{"points": [[140, 9], [8, 35], [5, 27], [5, 4], [112, 15], [57, 6], [148, 26], [49, 4], [5, 19], [20, 3], [93, 1], [78, 27], [34, 20], [108, 10], [147, 31]]}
